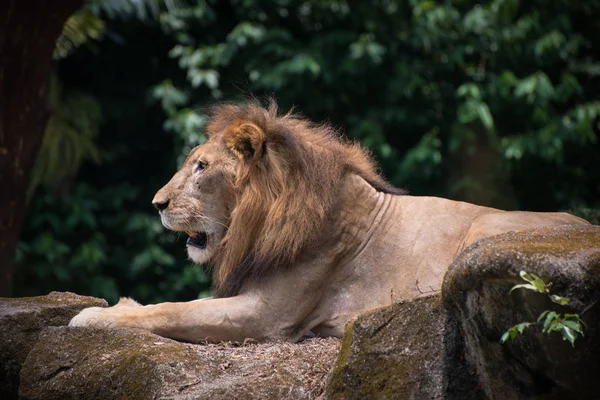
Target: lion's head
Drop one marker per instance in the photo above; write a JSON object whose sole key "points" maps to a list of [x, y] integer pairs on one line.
{"points": [[257, 193]]}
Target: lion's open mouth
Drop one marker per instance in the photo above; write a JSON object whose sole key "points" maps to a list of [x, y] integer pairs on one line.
{"points": [[197, 239]]}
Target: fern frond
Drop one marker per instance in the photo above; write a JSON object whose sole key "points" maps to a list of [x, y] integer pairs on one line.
{"points": [[69, 139], [82, 26]]}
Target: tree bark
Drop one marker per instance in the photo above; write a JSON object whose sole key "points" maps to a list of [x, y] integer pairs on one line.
{"points": [[478, 176], [28, 32]]}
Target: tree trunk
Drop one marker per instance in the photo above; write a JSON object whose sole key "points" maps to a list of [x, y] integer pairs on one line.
{"points": [[28, 31], [478, 175]]}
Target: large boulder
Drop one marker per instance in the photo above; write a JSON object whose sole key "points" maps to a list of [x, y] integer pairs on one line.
{"points": [[409, 350], [476, 292], [21, 321], [86, 363]]}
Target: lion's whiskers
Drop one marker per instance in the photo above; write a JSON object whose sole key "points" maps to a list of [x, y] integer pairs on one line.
{"points": [[203, 218]]}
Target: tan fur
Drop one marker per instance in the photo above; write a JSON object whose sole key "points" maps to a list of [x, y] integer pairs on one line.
{"points": [[302, 231]]}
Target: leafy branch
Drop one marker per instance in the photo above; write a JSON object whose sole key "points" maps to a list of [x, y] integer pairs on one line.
{"points": [[569, 325]]}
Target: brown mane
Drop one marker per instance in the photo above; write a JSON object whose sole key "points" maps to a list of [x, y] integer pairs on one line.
{"points": [[287, 184]]}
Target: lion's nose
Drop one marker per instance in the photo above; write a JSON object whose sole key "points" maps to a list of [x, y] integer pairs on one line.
{"points": [[161, 205]]}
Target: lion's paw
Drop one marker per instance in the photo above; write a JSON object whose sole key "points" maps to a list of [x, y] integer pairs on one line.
{"points": [[95, 317]]}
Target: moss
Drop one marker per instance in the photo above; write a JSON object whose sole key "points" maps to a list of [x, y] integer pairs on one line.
{"points": [[389, 353], [132, 373], [346, 346], [336, 383]]}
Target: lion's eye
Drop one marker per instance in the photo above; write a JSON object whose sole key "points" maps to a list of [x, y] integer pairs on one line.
{"points": [[201, 166]]}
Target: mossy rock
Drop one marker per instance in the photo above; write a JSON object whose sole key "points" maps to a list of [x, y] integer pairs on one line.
{"points": [[22, 319], [476, 292], [87, 363], [409, 350]]}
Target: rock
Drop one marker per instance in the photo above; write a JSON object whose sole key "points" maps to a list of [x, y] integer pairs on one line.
{"points": [[444, 346], [410, 350], [476, 291], [21, 321], [87, 363]]}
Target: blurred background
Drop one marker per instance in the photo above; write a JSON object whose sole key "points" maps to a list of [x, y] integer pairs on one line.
{"points": [[495, 103]]}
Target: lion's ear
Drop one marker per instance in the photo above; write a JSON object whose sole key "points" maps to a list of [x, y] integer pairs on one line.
{"points": [[246, 140]]}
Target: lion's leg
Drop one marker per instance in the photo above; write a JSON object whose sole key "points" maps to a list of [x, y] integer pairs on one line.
{"points": [[280, 306], [255, 314], [231, 318]]}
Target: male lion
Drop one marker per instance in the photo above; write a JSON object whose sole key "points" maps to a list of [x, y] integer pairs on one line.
{"points": [[303, 233]]}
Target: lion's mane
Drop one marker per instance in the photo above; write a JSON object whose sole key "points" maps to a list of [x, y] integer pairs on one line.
{"points": [[287, 183]]}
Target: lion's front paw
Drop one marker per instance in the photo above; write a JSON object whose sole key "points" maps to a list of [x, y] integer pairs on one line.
{"points": [[123, 314], [93, 317], [90, 317]]}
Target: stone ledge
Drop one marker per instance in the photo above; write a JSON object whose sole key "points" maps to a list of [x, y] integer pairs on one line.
{"points": [[86, 363], [22, 319], [409, 350]]}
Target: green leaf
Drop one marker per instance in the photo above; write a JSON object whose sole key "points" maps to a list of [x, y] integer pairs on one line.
{"points": [[522, 326], [569, 334], [485, 115], [551, 41], [81, 27], [574, 317], [469, 90], [525, 87], [573, 325], [474, 109], [245, 32], [524, 286], [542, 315], [563, 301], [513, 331], [535, 280], [550, 318]]}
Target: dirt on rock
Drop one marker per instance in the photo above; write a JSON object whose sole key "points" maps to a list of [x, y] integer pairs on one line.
{"points": [[75, 363]]}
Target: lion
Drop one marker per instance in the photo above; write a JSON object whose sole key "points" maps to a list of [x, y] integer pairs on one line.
{"points": [[302, 232]]}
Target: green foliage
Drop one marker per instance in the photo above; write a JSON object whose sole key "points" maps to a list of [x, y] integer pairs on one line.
{"points": [[512, 332], [508, 74], [90, 245], [80, 28], [101, 237], [86, 25], [140, 9], [494, 102], [69, 139], [568, 325]]}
